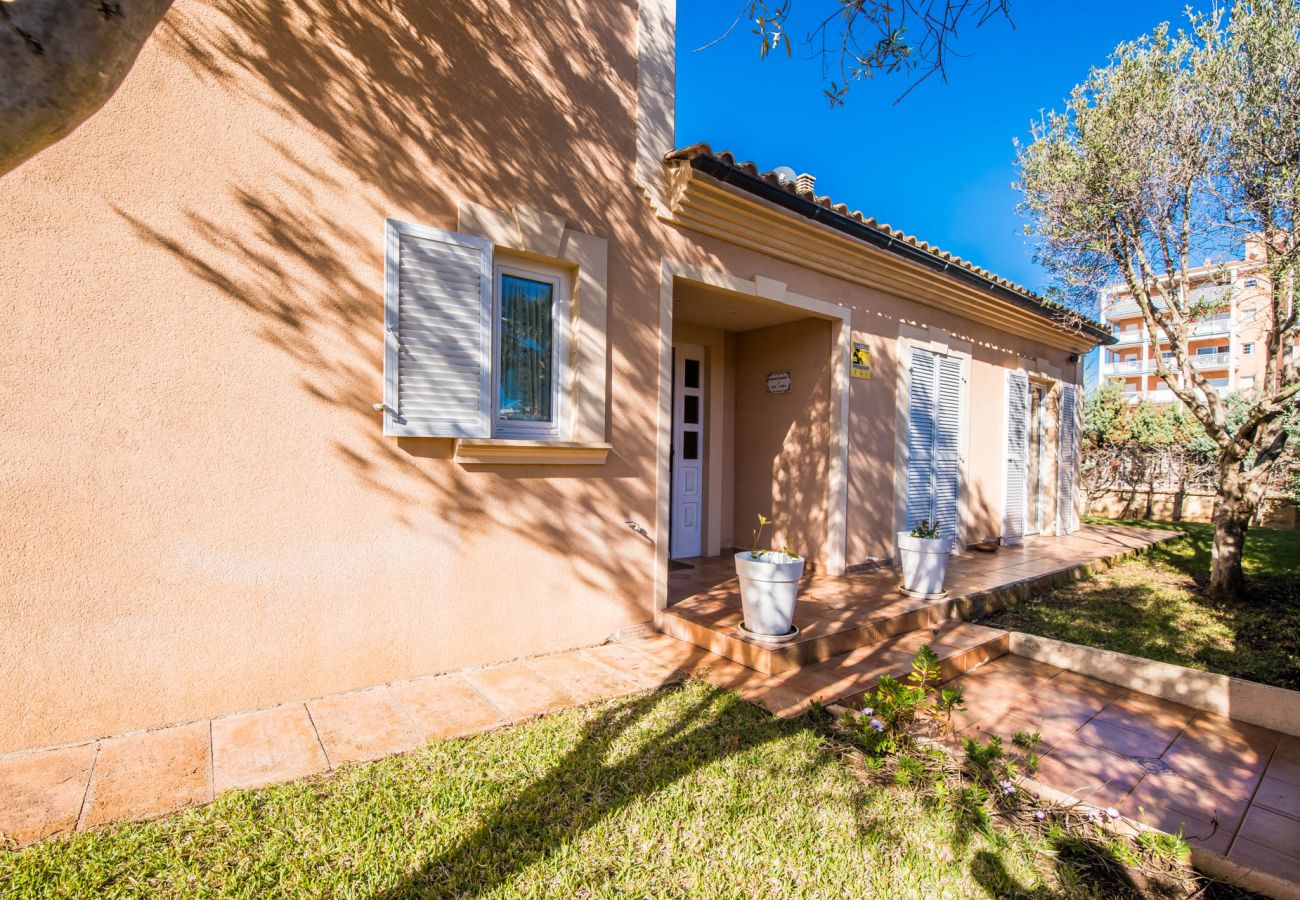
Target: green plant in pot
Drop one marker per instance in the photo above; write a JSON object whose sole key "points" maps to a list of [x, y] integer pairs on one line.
{"points": [[924, 553], [769, 586]]}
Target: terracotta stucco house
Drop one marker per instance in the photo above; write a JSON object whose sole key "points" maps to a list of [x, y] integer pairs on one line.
{"points": [[346, 341]]}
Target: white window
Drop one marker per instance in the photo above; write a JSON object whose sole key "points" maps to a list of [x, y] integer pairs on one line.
{"points": [[472, 349], [530, 348], [1167, 354], [1209, 351], [1246, 381], [1247, 348]]}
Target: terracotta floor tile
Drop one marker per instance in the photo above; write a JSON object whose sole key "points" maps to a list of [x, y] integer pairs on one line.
{"points": [[1021, 665], [583, 677], [446, 706], [1265, 859], [646, 670], [267, 746], [1088, 773], [144, 775], [362, 725], [1222, 776], [1279, 796], [673, 652], [1273, 830], [517, 690], [1284, 768], [41, 793], [1175, 792], [1195, 831], [1121, 740], [1053, 704], [1147, 714], [1071, 683], [1239, 743]]}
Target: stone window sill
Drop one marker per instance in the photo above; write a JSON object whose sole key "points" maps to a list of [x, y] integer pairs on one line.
{"points": [[499, 451]]}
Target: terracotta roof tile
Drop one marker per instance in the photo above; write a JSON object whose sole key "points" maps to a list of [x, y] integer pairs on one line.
{"points": [[1060, 314]]}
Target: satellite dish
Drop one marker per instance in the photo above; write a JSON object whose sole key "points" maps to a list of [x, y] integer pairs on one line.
{"points": [[785, 173]]}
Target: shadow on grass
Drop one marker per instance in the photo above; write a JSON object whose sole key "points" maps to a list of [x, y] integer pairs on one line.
{"points": [[585, 786]]}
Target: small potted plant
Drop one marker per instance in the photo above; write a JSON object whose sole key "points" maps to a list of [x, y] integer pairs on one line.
{"points": [[769, 584], [925, 559]]}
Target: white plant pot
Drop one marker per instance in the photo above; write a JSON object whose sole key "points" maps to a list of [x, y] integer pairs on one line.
{"points": [[769, 586], [925, 562]]}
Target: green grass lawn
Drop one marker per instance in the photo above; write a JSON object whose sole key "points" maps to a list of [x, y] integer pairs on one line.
{"points": [[1153, 607], [682, 792]]}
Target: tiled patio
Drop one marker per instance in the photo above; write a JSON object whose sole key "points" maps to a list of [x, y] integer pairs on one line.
{"points": [[839, 614], [1232, 787]]}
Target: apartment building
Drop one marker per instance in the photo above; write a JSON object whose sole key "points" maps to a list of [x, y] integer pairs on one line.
{"points": [[1228, 342]]}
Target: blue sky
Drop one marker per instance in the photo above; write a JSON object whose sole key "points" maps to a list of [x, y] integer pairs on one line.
{"points": [[940, 163]]}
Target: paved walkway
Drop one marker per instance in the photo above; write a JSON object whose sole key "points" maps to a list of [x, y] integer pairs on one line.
{"points": [[149, 773], [1232, 787]]}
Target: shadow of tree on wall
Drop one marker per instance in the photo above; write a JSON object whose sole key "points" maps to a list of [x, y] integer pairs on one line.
{"points": [[399, 109]]}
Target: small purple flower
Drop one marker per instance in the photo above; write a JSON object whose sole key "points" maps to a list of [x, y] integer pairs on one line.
{"points": [[1036, 797], [1007, 787], [1094, 814], [1039, 815], [877, 725], [1112, 812], [868, 711]]}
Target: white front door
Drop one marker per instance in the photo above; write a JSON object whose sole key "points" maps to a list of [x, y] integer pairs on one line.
{"points": [[688, 451]]}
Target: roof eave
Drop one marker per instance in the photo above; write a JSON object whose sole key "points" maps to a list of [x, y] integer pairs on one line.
{"points": [[810, 209]]}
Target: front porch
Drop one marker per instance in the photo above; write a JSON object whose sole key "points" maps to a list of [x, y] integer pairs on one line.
{"points": [[843, 619]]}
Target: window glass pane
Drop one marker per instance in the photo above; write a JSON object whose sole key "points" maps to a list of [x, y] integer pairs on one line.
{"points": [[692, 375], [527, 360], [691, 409], [690, 445]]}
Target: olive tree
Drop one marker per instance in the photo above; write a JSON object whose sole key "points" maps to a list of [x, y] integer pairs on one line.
{"points": [[1187, 142]]}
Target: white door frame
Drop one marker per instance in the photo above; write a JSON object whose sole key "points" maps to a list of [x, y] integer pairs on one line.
{"points": [[837, 489], [687, 491]]}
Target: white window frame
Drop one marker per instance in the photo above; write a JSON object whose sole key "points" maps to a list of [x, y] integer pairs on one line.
{"points": [[561, 364], [1248, 348]]}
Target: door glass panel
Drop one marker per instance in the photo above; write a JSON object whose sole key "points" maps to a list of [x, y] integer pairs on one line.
{"points": [[691, 377], [691, 409], [526, 349], [690, 445]]}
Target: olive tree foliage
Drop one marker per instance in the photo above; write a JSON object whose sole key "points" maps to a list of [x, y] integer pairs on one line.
{"points": [[1187, 142], [60, 61], [861, 39]]}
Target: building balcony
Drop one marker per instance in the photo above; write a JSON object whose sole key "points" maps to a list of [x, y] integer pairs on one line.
{"points": [[1219, 360], [1212, 326], [1129, 367], [1128, 338]]}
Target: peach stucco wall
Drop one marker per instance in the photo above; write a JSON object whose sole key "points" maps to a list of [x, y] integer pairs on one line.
{"points": [[202, 514]]}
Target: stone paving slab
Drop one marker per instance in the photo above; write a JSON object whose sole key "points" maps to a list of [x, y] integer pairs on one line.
{"points": [[150, 773], [42, 793]]}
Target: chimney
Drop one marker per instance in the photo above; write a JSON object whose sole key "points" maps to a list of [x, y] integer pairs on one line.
{"points": [[804, 183]]}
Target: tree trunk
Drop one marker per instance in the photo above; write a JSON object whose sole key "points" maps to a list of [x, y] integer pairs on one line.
{"points": [[1232, 512]]}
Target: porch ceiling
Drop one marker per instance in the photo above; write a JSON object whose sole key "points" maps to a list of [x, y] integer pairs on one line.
{"points": [[727, 311]]}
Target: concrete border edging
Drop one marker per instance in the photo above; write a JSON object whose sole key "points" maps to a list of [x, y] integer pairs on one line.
{"points": [[1247, 701]]}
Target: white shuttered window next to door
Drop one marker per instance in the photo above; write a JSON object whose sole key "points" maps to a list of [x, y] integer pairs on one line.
{"points": [[1017, 473], [934, 440]]}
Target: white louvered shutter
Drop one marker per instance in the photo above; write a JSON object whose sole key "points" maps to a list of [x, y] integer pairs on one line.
{"points": [[438, 333], [1067, 519], [1017, 474], [920, 438], [947, 446]]}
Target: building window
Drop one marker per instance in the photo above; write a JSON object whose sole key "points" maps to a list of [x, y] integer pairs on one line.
{"points": [[1247, 348], [531, 314], [1246, 381]]}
